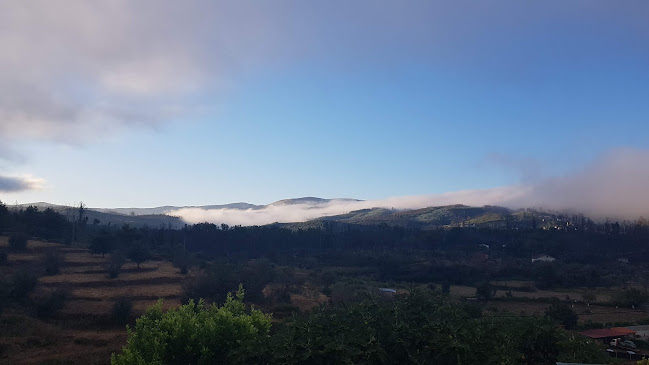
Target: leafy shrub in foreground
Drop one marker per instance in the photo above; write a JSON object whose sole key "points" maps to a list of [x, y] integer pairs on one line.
{"points": [[196, 334], [417, 328], [423, 329]]}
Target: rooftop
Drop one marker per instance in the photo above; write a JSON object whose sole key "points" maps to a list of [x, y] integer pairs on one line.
{"points": [[608, 332]]}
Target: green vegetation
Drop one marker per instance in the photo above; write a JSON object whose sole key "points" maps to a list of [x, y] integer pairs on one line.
{"points": [[418, 328], [18, 242], [51, 261], [122, 309], [46, 304], [196, 334], [562, 314]]}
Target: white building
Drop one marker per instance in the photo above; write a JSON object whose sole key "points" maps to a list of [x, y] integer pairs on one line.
{"points": [[543, 258]]}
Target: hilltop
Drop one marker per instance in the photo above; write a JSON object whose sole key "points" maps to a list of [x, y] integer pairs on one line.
{"points": [[319, 209]]}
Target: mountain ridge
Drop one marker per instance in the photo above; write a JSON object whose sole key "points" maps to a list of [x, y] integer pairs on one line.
{"points": [[455, 215]]}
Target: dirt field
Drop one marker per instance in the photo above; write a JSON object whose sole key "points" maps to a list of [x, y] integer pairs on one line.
{"points": [[82, 332], [593, 313]]}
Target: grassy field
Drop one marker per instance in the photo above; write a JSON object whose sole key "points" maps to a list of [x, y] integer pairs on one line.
{"points": [[82, 332], [587, 313]]}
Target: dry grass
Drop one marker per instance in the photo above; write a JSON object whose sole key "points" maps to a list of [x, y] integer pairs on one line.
{"points": [[84, 257], [586, 313], [603, 294], [159, 291], [514, 284], [563, 295], [308, 299], [462, 291], [163, 270], [76, 307], [90, 337], [31, 244], [608, 314], [74, 347]]}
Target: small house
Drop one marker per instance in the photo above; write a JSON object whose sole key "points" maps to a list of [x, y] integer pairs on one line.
{"points": [[387, 293], [543, 258], [608, 334]]}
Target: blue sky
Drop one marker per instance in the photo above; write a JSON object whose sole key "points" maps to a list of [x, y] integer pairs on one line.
{"points": [[220, 102]]}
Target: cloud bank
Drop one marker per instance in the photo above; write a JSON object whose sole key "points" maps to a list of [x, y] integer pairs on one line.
{"points": [[615, 185], [16, 184]]}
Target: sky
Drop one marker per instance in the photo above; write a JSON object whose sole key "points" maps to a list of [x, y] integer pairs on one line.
{"points": [[150, 103]]}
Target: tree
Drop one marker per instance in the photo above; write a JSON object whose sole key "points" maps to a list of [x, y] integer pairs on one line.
{"points": [[102, 243], [138, 254], [631, 298], [122, 309], [212, 284], [78, 218], [485, 290], [589, 296], [115, 264], [4, 217], [51, 261], [196, 334], [18, 241], [446, 288], [562, 314]]}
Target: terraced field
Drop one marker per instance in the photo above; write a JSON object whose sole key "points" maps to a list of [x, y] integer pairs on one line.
{"points": [[83, 331]]}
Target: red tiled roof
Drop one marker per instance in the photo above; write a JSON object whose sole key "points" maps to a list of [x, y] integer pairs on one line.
{"points": [[607, 332]]}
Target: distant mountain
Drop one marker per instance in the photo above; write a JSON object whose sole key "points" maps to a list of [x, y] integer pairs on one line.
{"points": [[311, 201], [108, 217], [170, 208], [166, 215], [425, 218], [238, 206], [443, 216]]}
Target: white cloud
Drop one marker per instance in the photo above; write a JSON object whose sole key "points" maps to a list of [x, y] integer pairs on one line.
{"points": [[305, 211], [14, 184], [614, 185], [75, 65]]}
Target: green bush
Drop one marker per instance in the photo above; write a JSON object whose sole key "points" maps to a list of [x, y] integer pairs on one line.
{"points": [[5, 293], [18, 241], [23, 282], [51, 261], [139, 253], [415, 328], [562, 314], [47, 304], [115, 265], [122, 310], [631, 298], [212, 284], [196, 334], [484, 290]]}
